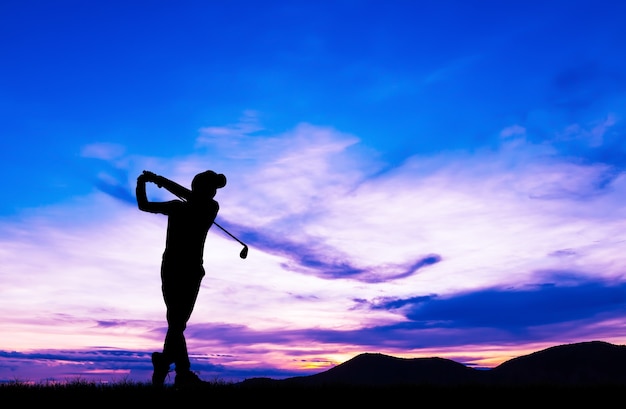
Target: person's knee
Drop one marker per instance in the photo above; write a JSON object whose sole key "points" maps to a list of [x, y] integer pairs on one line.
{"points": [[176, 326]]}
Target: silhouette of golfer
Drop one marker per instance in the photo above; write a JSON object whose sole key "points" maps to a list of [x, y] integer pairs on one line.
{"points": [[189, 220]]}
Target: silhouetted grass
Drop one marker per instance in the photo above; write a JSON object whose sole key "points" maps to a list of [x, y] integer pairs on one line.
{"points": [[129, 394]]}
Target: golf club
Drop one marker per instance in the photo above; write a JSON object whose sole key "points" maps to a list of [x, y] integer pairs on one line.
{"points": [[244, 251]]}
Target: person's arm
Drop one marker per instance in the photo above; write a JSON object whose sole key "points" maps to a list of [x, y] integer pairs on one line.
{"points": [[178, 190], [142, 199], [140, 192]]}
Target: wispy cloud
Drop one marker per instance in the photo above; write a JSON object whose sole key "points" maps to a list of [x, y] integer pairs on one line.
{"points": [[562, 298], [105, 151], [346, 252]]}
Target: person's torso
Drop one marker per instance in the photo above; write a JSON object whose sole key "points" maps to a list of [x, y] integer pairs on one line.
{"points": [[187, 228]]}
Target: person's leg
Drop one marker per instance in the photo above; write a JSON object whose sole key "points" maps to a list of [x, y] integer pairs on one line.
{"points": [[180, 294], [180, 306]]}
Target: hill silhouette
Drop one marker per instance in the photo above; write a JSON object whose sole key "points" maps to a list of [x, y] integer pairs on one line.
{"points": [[586, 363]]}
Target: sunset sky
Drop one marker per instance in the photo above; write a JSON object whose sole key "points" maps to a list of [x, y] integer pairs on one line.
{"points": [[415, 178]]}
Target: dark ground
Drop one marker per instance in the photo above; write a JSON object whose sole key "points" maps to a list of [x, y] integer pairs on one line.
{"points": [[144, 395]]}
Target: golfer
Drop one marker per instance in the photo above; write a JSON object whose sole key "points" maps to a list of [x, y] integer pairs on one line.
{"points": [[189, 220]]}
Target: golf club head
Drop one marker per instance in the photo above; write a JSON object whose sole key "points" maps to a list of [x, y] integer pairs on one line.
{"points": [[244, 252]]}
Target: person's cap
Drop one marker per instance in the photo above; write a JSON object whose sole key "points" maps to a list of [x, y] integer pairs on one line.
{"points": [[208, 179]]}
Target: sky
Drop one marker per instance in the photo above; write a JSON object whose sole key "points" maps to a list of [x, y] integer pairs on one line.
{"points": [[413, 178]]}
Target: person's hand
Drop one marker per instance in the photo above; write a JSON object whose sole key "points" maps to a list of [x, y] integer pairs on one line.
{"points": [[146, 176], [150, 176]]}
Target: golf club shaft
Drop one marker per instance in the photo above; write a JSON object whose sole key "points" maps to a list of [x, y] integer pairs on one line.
{"points": [[227, 232]]}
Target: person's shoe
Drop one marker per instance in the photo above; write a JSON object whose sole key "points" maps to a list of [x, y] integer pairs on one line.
{"points": [[188, 379], [161, 369]]}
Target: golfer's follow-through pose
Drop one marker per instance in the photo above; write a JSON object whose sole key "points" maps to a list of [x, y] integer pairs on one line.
{"points": [[189, 220]]}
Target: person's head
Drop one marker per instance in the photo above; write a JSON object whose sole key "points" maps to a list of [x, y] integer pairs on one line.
{"points": [[205, 184]]}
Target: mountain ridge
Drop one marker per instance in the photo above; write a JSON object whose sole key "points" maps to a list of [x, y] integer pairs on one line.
{"points": [[582, 363]]}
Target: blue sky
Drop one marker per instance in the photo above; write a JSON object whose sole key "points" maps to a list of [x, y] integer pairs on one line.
{"points": [[416, 178]]}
